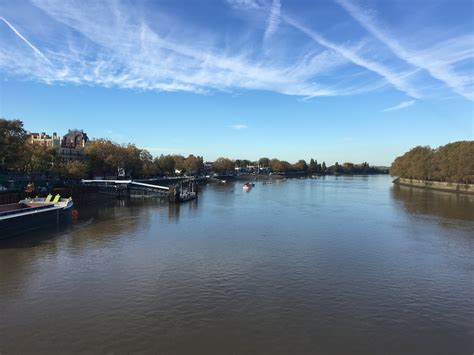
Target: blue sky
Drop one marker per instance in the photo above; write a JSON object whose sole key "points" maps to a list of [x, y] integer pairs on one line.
{"points": [[337, 80]]}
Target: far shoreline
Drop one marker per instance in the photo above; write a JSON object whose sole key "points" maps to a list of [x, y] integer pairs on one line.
{"points": [[466, 189]]}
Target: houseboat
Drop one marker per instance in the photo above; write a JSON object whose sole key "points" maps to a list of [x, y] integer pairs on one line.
{"points": [[34, 213]]}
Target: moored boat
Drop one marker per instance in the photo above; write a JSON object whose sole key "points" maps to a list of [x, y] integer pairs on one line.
{"points": [[247, 186], [34, 213], [187, 196]]}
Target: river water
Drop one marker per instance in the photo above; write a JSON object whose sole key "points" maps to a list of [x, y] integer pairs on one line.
{"points": [[337, 265]]}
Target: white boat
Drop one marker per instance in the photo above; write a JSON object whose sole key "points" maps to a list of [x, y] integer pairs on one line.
{"points": [[247, 186]]}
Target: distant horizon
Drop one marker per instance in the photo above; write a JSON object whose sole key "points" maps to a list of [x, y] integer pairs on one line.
{"points": [[339, 80], [329, 163], [255, 158]]}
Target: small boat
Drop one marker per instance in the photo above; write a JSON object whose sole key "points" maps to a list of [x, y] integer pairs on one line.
{"points": [[34, 213], [187, 196], [223, 181], [247, 186]]}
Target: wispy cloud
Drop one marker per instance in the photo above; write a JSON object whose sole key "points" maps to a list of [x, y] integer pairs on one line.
{"points": [[28, 43], [438, 63], [238, 127], [273, 19], [398, 80], [401, 105], [245, 4], [113, 44], [115, 48]]}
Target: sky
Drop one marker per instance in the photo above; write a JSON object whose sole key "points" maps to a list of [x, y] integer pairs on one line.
{"points": [[334, 80]]}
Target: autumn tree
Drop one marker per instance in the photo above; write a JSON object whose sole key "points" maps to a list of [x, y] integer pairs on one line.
{"points": [[148, 168], [300, 166], [223, 165], [77, 170], [12, 144], [453, 162], [103, 156], [41, 158], [165, 164], [193, 164]]}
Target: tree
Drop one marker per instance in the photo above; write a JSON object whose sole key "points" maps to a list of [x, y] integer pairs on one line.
{"points": [[41, 158], [324, 168], [453, 163], [264, 162], [105, 157], [223, 165], [12, 144], [313, 166], [348, 168], [77, 170], [193, 164], [148, 168], [276, 165], [365, 168], [131, 159], [281, 166], [319, 169], [178, 161], [300, 166], [166, 164]]}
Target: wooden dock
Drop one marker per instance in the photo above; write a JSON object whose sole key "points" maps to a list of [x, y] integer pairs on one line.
{"points": [[182, 191]]}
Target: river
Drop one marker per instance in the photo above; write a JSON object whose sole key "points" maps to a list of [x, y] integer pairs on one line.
{"points": [[336, 265]]}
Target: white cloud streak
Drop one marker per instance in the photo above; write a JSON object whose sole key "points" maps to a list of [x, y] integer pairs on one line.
{"points": [[239, 126], [400, 106], [114, 48], [273, 19], [244, 4], [28, 43], [398, 80], [112, 44], [435, 61]]}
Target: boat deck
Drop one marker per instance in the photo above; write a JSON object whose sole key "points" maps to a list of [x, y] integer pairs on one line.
{"points": [[21, 207]]}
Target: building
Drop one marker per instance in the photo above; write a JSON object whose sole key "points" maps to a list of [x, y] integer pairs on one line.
{"points": [[44, 139], [72, 145], [74, 139]]}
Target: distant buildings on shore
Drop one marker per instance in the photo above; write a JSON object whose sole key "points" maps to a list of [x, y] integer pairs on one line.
{"points": [[44, 139], [70, 146]]}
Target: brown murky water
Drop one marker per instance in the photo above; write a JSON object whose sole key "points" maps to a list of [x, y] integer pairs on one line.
{"points": [[349, 265]]}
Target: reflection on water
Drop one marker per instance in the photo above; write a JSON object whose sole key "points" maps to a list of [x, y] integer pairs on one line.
{"points": [[443, 204], [332, 265]]}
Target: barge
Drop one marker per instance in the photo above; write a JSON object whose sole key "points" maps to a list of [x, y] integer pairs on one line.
{"points": [[34, 213]]}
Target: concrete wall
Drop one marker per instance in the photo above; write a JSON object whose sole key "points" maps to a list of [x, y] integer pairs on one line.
{"points": [[437, 185]]}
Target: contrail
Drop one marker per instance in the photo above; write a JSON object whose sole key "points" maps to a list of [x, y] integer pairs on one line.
{"points": [[273, 19], [36, 50]]}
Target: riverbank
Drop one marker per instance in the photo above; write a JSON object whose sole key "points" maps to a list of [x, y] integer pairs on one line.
{"points": [[437, 185], [279, 176]]}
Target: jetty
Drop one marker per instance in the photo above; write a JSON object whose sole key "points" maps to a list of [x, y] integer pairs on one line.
{"points": [[181, 191]]}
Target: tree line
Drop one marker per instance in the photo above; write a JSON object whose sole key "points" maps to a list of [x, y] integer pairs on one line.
{"points": [[224, 165], [102, 157], [452, 162]]}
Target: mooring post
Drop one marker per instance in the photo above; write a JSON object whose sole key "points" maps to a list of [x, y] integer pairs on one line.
{"points": [[174, 194]]}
